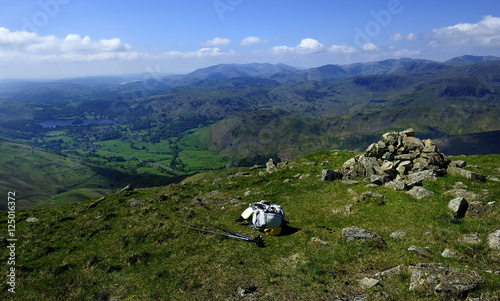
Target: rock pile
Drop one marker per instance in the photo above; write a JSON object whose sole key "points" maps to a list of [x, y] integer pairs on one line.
{"points": [[400, 159]]}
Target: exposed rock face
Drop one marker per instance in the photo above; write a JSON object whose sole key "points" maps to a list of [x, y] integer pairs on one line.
{"points": [[368, 282], [369, 195], [459, 206], [441, 279], [478, 209], [494, 240], [271, 166], [390, 272], [457, 171], [449, 253], [354, 233], [420, 192], [472, 239], [467, 195], [330, 175], [399, 157], [398, 235], [418, 177], [426, 252]]}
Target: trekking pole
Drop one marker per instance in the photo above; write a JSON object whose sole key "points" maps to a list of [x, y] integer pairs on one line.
{"points": [[258, 240], [229, 231]]}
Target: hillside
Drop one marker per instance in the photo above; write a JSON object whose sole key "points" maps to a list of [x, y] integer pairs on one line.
{"points": [[227, 71], [38, 176], [156, 130], [442, 101], [44, 179], [130, 245], [140, 85]]}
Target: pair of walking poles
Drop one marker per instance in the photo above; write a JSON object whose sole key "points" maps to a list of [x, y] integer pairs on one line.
{"points": [[257, 241]]}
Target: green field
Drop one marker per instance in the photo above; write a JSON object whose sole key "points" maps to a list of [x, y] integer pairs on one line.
{"points": [[74, 172], [37, 175]]}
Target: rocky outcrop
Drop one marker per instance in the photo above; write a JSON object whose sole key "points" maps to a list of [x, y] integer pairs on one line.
{"points": [[449, 253], [441, 279], [479, 209], [457, 171], [357, 234], [330, 175], [426, 252], [476, 208], [494, 240], [470, 239], [420, 192], [271, 166], [398, 235], [94, 204], [398, 157], [430, 279], [459, 206]]}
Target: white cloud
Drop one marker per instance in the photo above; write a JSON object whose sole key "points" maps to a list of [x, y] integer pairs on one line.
{"points": [[370, 47], [252, 40], [486, 32], [217, 42], [411, 36], [22, 46], [26, 46], [309, 45], [399, 37], [312, 46], [31, 42], [282, 49], [341, 49], [201, 53], [70, 57]]}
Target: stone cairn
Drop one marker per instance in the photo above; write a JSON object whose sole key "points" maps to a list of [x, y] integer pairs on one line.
{"points": [[399, 160]]}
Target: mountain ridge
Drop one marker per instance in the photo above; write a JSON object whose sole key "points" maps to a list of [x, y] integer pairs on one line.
{"points": [[183, 127], [117, 86]]}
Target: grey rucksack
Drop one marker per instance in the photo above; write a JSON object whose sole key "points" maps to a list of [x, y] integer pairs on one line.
{"points": [[266, 217]]}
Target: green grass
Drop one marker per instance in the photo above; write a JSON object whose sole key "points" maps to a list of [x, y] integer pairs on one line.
{"points": [[72, 196], [197, 158], [44, 179], [191, 153], [114, 250], [38, 175]]}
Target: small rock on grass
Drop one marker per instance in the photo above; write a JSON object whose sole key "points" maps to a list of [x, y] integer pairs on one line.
{"points": [[368, 282]]}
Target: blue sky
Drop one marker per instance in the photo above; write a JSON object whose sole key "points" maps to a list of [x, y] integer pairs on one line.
{"points": [[70, 38]]}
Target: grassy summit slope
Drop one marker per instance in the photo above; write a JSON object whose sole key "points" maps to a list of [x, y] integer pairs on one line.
{"points": [[131, 245], [45, 179], [37, 175]]}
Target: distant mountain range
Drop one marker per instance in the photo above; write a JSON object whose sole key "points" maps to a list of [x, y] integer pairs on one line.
{"points": [[111, 87], [289, 113], [242, 113], [226, 71], [473, 59], [286, 74], [440, 99]]}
